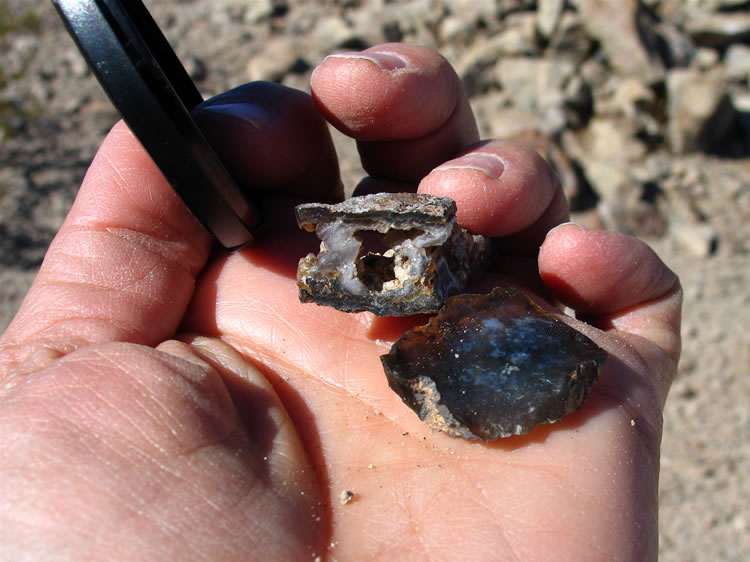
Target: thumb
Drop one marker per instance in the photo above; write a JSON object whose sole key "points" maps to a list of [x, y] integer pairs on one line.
{"points": [[121, 268]]}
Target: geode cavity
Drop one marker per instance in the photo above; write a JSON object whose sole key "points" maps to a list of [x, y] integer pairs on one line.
{"points": [[390, 253], [491, 366]]}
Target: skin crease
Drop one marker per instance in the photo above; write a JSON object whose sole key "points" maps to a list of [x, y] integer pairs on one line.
{"points": [[163, 399]]}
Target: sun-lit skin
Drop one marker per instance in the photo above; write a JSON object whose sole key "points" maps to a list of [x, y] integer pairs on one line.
{"points": [[164, 400]]}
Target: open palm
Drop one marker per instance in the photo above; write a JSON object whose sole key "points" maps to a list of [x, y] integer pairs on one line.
{"points": [[160, 399]]}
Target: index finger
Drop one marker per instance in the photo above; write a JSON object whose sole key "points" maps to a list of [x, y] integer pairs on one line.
{"points": [[404, 104]]}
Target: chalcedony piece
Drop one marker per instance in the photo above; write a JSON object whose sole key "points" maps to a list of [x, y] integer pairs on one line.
{"points": [[390, 253], [492, 366]]}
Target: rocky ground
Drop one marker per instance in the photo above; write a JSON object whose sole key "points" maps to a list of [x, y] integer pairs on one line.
{"points": [[643, 108]]}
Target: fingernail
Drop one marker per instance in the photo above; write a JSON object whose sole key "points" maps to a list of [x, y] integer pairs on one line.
{"points": [[489, 164], [250, 113], [384, 61], [564, 224]]}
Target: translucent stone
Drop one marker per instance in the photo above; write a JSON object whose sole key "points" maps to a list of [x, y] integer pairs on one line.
{"points": [[492, 366], [390, 253]]}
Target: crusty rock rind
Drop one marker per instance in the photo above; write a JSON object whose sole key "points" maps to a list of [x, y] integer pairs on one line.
{"points": [[398, 209], [428, 256]]}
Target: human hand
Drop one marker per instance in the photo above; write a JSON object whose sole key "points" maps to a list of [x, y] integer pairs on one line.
{"points": [[160, 400]]}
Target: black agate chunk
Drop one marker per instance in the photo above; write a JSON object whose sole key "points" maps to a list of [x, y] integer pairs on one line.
{"points": [[492, 366]]}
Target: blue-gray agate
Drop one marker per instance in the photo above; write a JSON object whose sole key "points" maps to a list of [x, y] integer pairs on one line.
{"points": [[492, 366]]}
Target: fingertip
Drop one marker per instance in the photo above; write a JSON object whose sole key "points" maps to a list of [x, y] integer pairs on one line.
{"points": [[601, 272], [393, 91], [272, 139], [403, 104], [500, 188], [615, 282]]}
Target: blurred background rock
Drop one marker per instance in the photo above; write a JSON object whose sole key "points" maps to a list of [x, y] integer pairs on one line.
{"points": [[642, 107]]}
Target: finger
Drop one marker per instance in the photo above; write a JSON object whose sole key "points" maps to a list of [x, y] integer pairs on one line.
{"points": [[502, 189], [122, 267], [272, 139], [404, 105], [615, 282], [526, 242]]}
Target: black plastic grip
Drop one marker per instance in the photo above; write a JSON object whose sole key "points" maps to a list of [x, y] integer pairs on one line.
{"points": [[148, 85]]}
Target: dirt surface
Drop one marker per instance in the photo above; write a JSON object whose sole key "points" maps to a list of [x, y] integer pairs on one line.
{"points": [[655, 143]]}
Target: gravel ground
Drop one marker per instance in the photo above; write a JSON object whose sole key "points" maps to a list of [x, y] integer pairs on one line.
{"points": [[676, 163]]}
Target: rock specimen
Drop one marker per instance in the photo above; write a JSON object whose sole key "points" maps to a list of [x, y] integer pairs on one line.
{"points": [[390, 253], [491, 366]]}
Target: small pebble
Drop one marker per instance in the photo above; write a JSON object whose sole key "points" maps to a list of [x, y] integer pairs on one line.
{"points": [[346, 497]]}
